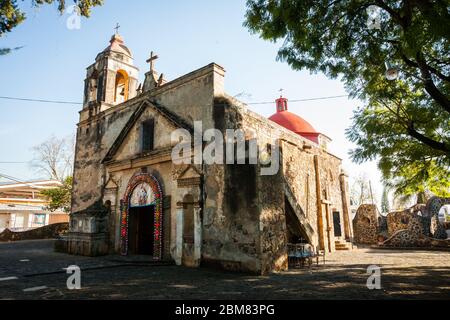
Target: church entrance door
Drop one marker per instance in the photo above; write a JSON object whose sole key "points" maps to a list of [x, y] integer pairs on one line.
{"points": [[140, 228], [337, 224]]}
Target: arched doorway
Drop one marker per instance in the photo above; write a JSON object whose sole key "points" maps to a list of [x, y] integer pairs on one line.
{"points": [[121, 87], [141, 217]]}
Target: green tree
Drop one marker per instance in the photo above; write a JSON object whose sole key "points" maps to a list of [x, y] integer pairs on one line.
{"points": [[385, 207], [404, 123], [59, 198], [11, 15]]}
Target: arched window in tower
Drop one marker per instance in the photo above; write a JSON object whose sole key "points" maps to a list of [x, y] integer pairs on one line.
{"points": [[121, 88]]}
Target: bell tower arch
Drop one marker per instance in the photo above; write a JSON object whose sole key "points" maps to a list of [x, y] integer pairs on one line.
{"points": [[112, 79]]}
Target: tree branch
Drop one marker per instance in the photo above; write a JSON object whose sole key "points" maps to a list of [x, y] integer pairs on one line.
{"points": [[410, 129], [433, 70], [430, 87], [440, 146]]}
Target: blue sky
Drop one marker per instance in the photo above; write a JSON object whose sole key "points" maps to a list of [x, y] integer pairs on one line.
{"points": [[186, 35]]}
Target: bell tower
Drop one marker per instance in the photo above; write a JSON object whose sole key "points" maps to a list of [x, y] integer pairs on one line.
{"points": [[112, 79]]}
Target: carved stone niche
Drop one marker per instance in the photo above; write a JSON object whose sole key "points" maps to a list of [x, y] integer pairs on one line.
{"points": [[187, 176], [110, 191]]}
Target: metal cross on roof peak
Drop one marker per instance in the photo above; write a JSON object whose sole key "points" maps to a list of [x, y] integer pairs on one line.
{"points": [[151, 60]]}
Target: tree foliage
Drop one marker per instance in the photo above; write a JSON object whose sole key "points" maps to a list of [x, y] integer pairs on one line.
{"points": [[404, 123], [11, 15], [59, 198]]}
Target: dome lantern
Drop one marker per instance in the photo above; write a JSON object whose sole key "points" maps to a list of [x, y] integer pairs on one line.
{"points": [[281, 104], [293, 122]]}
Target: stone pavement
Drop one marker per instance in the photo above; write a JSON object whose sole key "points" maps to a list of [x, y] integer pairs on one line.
{"points": [[406, 274]]}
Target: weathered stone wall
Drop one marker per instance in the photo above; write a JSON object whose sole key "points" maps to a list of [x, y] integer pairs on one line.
{"points": [[50, 231], [300, 175], [94, 138], [400, 220], [231, 217], [437, 229], [298, 170], [413, 236], [417, 226], [365, 224], [273, 233]]}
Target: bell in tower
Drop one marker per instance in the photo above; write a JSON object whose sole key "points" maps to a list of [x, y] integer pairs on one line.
{"points": [[113, 78]]}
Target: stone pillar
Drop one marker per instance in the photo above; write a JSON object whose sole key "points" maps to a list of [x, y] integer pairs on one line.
{"points": [[345, 206], [109, 86], [197, 235], [319, 204], [179, 235]]}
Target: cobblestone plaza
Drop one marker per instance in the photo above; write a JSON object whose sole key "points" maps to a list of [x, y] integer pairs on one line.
{"points": [[31, 270]]}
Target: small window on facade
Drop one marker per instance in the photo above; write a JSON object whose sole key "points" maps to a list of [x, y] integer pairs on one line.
{"points": [[39, 219], [147, 135]]}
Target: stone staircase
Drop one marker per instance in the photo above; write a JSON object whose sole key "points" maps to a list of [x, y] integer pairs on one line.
{"points": [[342, 244]]}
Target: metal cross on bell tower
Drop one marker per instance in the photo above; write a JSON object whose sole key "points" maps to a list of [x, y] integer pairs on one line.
{"points": [[117, 28]]}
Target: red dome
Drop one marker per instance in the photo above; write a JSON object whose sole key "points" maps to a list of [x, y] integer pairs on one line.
{"points": [[294, 122]]}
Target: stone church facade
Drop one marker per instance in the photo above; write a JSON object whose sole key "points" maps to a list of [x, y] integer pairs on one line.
{"points": [[129, 197]]}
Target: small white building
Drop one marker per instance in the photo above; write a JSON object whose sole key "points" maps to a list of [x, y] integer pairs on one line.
{"points": [[22, 207]]}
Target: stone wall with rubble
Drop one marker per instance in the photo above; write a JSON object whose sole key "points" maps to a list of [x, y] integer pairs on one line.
{"points": [[400, 220], [365, 224], [414, 236], [50, 231], [417, 226]]}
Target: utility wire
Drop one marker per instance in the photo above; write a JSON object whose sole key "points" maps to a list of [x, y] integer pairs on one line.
{"points": [[249, 103], [40, 100], [27, 162], [300, 100], [12, 162], [17, 180]]}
